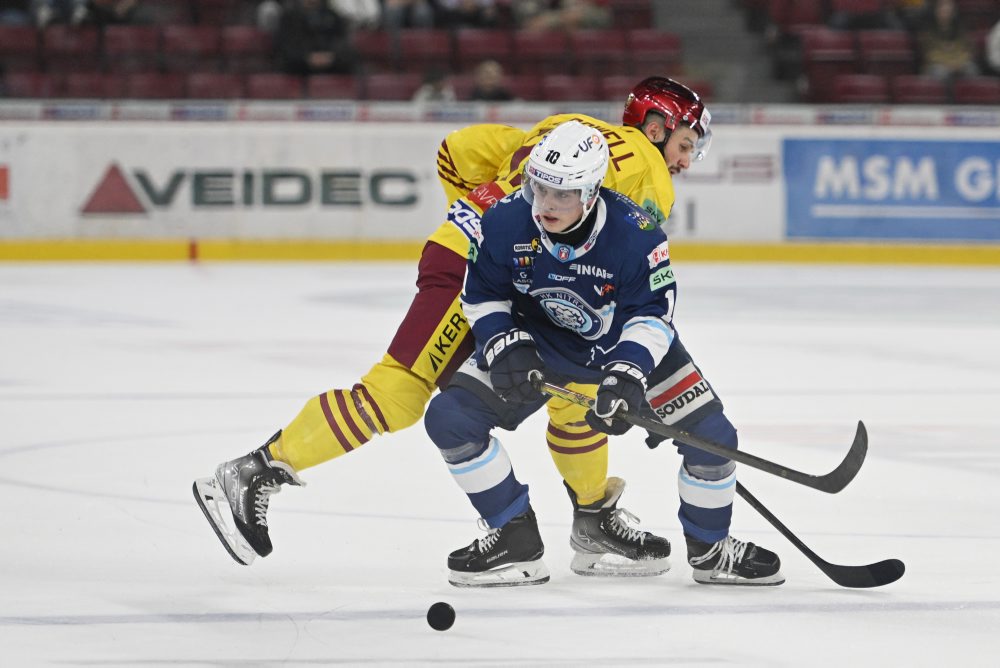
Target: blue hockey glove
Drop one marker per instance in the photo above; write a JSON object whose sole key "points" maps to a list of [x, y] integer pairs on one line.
{"points": [[512, 358], [623, 387]]}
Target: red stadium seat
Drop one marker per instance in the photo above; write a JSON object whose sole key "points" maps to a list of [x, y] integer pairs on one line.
{"points": [[192, 48], [631, 14], [93, 85], [424, 49], [541, 52], [154, 86], [859, 89], [376, 50], [600, 52], [129, 48], [525, 87], [271, 86], [979, 14], [473, 46], [168, 12], [615, 87], [71, 48], [333, 87], [917, 89], [246, 49], [569, 88], [856, 6], [825, 54], [214, 86], [220, 12], [30, 85], [392, 86], [19, 49], [977, 90], [886, 52], [654, 51], [791, 17]]}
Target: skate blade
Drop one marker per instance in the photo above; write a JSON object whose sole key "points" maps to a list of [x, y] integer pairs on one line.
{"points": [[517, 574], [208, 495], [617, 566], [710, 578]]}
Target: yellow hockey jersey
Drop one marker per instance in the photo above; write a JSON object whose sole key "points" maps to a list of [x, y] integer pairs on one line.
{"points": [[480, 154]]}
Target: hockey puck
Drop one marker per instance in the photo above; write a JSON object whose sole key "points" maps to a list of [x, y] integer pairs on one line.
{"points": [[441, 616]]}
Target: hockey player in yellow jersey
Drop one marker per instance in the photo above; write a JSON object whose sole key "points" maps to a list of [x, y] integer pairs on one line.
{"points": [[665, 128]]}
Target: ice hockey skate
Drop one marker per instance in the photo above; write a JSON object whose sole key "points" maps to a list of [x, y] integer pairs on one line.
{"points": [[733, 562], [510, 556], [235, 501], [606, 545]]}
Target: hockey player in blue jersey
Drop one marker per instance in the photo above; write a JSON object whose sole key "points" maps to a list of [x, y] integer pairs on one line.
{"points": [[573, 281]]}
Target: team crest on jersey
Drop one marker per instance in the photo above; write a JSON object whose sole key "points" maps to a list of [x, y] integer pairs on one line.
{"points": [[562, 252], [566, 309]]}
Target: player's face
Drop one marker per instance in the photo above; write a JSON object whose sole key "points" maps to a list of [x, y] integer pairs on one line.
{"points": [[558, 210], [679, 151]]}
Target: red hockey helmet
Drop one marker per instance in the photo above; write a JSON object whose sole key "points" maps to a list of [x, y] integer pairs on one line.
{"points": [[678, 104]]}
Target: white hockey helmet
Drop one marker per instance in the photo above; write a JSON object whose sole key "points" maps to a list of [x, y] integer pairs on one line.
{"points": [[572, 156]]}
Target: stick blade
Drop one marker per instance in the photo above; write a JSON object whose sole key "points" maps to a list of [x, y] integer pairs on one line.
{"points": [[840, 477], [865, 577]]}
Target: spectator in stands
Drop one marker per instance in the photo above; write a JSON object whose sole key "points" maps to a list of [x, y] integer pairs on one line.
{"points": [[911, 13], [268, 15], [436, 88], [946, 51], [562, 14], [361, 14], [14, 12], [489, 83], [993, 48], [883, 18], [465, 13], [77, 12], [314, 39], [398, 14], [106, 12]]}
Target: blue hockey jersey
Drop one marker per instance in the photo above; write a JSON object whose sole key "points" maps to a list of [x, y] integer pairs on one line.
{"points": [[608, 299]]}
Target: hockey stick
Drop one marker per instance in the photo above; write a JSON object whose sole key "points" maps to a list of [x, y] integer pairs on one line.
{"points": [[858, 577], [832, 482]]}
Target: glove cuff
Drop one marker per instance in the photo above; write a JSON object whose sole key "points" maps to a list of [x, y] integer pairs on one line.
{"points": [[627, 371], [504, 342]]}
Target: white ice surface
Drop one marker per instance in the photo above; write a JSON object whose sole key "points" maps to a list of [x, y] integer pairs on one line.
{"points": [[119, 384]]}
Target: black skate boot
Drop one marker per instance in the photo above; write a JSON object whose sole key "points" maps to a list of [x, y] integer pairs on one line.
{"points": [[508, 557], [246, 484], [733, 562], [605, 545]]}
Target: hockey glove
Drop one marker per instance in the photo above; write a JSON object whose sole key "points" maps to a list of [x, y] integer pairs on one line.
{"points": [[512, 358], [623, 388]]}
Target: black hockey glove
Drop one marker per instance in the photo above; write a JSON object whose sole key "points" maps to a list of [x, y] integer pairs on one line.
{"points": [[623, 387], [512, 358], [653, 440]]}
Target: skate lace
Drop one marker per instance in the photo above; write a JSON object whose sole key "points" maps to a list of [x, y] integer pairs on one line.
{"points": [[732, 554], [261, 500], [619, 526], [492, 536]]}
